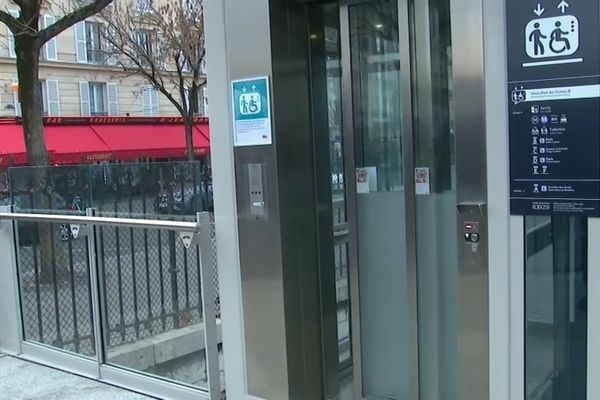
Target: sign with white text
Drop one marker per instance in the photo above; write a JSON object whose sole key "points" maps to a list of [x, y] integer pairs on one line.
{"points": [[554, 107], [251, 112]]}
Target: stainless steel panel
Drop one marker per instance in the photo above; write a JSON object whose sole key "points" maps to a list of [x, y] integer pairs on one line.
{"points": [[296, 181], [279, 257], [471, 170], [469, 94], [256, 189], [11, 327], [260, 244]]}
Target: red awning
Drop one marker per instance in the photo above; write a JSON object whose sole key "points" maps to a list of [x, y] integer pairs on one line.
{"points": [[202, 139], [75, 145], [131, 142], [77, 142], [12, 145]]}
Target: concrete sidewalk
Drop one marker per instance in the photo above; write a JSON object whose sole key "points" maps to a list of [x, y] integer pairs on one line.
{"points": [[22, 380]]}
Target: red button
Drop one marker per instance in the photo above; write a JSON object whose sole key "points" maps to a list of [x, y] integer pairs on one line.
{"points": [[469, 227]]}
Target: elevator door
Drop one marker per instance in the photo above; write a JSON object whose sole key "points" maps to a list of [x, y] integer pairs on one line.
{"points": [[410, 282]]}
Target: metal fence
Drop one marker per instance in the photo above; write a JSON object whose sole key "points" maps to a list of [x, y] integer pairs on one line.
{"points": [[152, 281], [139, 285], [152, 285], [177, 190]]}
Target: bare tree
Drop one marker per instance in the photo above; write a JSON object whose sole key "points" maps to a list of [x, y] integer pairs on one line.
{"points": [[29, 40], [164, 44]]}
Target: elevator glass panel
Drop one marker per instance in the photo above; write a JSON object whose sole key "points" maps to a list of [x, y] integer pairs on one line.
{"points": [[381, 233]]}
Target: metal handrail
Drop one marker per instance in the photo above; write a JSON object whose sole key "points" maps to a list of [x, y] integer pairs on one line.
{"points": [[179, 226]]}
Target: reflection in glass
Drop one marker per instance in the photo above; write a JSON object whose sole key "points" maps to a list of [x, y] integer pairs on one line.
{"points": [[55, 289], [152, 311], [376, 88], [151, 304], [556, 308], [338, 193], [175, 189], [381, 221]]}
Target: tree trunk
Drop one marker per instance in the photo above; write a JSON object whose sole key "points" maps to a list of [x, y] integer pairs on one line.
{"points": [[28, 52], [189, 137]]}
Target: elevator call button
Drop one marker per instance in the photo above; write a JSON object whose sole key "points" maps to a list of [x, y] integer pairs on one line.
{"points": [[472, 232]]}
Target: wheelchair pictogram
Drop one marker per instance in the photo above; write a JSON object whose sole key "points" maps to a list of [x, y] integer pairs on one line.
{"points": [[250, 104], [552, 37], [518, 95], [549, 40]]}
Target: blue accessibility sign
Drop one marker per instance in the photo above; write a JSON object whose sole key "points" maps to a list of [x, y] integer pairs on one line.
{"points": [[252, 112]]}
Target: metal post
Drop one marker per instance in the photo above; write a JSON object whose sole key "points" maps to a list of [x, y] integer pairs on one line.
{"points": [[10, 329], [134, 283], [76, 336], [173, 275], [96, 292], [163, 312], [209, 308], [147, 265]]}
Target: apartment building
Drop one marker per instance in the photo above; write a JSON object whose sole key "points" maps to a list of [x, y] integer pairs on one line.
{"points": [[77, 79]]}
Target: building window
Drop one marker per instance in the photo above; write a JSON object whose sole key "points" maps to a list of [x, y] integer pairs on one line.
{"points": [[200, 107], [205, 102], [144, 6], [98, 99], [44, 97], [94, 42], [144, 39], [150, 101], [50, 52], [49, 98], [11, 37]]}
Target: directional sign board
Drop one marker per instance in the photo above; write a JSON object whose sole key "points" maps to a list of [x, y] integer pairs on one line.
{"points": [[554, 106], [251, 112]]}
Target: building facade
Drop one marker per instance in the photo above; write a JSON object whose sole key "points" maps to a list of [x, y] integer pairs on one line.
{"points": [[76, 77]]}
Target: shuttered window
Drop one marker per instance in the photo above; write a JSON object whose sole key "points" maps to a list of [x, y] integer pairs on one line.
{"points": [[81, 42], [84, 94], [51, 47], [150, 101], [53, 98], [11, 37], [113, 99]]}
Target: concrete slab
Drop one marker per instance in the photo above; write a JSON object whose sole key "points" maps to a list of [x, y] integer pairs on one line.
{"points": [[21, 380]]}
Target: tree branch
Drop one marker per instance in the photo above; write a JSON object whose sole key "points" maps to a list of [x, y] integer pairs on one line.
{"points": [[72, 18], [10, 21]]}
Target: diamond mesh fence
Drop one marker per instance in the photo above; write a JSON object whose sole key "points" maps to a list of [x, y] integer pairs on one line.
{"points": [[55, 289], [150, 284]]}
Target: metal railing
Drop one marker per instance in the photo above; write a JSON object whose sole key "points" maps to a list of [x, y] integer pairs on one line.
{"points": [[180, 226], [114, 284]]}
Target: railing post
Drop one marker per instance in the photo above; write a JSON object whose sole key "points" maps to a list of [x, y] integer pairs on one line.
{"points": [[174, 281], [10, 328], [96, 291], [207, 291]]}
